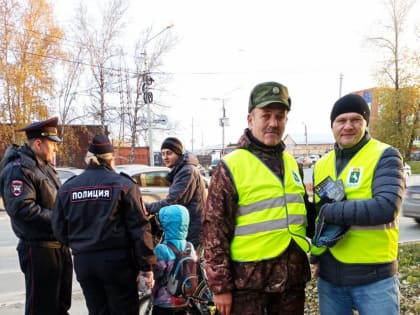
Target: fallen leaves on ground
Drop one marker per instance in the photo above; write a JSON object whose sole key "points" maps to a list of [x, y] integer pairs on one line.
{"points": [[409, 276]]}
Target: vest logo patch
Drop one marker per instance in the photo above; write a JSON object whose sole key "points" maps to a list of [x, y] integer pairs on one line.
{"points": [[354, 177], [16, 188], [296, 177]]}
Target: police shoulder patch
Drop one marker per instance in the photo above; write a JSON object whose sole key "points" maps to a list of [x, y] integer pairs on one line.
{"points": [[16, 188]]}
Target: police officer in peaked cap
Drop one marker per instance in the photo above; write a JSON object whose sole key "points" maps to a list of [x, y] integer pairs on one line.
{"points": [[43, 129], [29, 185]]}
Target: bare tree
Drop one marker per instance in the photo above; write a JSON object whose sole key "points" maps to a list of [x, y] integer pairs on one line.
{"points": [[397, 76], [142, 84], [68, 83], [102, 47]]}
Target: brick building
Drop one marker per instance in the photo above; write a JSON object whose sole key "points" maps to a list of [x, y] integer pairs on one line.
{"points": [[73, 149]]}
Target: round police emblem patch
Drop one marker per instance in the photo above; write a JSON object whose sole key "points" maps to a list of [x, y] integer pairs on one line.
{"points": [[276, 90]]}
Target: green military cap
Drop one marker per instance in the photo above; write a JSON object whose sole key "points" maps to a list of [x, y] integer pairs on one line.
{"points": [[268, 93]]}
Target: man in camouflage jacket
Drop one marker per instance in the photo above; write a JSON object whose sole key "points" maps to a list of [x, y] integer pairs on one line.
{"points": [[274, 285]]}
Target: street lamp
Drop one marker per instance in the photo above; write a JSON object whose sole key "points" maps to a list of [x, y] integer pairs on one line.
{"points": [[148, 96], [223, 121], [340, 87]]}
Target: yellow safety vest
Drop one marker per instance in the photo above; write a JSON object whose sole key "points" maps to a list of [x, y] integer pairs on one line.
{"points": [[361, 244], [270, 213]]}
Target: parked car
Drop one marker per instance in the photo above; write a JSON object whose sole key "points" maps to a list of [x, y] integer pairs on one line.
{"points": [[304, 161], [415, 156], [411, 202], [151, 179], [202, 170], [212, 166], [407, 170], [314, 158], [64, 173]]}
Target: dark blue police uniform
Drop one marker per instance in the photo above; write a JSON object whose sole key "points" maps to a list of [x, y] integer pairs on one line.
{"points": [[28, 185], [100, 215]]}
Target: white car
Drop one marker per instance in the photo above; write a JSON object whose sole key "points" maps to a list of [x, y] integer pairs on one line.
{"points": [[151, 179], [64, 173]]}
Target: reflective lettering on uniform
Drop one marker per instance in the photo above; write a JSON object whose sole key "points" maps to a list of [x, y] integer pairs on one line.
{"points": [[92, 193]]}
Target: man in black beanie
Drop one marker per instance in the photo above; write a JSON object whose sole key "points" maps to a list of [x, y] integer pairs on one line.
{"points": [[173, 144], [360, 270], [187, 185], [351, 103], [99, 214]]}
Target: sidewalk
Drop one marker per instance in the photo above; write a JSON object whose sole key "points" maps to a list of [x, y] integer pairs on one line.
{"points": [[16, 306]]}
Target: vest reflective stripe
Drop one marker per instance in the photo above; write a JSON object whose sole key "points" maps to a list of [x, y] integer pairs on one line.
{"points": [[361, 244], [388, 226], [268, 216], [270, 203], [270, 225]]}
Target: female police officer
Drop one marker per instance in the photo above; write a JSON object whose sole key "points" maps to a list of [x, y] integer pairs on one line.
{"points": [[100, 215]]}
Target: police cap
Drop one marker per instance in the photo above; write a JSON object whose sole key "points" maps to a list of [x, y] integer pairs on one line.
{"points": [[43, 129]]}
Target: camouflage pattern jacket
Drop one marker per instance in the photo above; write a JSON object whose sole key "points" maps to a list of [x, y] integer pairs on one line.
{"points": [[289, 269]]}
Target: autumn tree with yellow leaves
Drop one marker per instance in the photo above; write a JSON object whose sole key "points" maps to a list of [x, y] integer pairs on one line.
{"points": [[398, 77], [29, 50]]}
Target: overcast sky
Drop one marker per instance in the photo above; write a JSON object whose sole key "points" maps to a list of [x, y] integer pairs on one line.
{"points": [[228, 46]]}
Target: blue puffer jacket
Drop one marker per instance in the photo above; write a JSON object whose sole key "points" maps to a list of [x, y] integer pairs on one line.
{"points": [[387, 193], [174, 221]]}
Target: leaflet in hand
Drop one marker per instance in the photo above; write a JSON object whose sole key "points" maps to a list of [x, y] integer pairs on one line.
{"points": [[329, 189]]}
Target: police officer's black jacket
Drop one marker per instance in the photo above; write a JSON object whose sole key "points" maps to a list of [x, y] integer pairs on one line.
{"points": [[28, 187], [100, 210]]}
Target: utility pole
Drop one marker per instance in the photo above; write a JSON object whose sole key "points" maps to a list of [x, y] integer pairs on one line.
{"points": [[224, 121], [306, 139], [340, 78], [148, 96], [192, 135]]}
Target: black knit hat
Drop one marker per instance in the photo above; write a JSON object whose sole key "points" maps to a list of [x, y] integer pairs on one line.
{"points": [[101, 145], [173, 144], [350, 103]]}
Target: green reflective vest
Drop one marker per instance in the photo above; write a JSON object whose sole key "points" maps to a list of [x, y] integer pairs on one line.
{"points": [[361, 244], [270, 212]]}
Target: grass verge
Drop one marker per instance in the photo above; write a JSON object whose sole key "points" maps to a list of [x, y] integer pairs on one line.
{"points": [[409, 276], [415, 167]]}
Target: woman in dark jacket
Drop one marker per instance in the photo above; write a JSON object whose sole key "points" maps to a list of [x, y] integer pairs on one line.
{"points": [[187, 186]]}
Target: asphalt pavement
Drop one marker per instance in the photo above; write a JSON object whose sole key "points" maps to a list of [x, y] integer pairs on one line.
{"points": [[17, 306]]}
